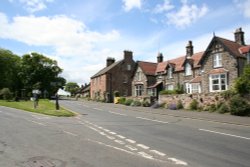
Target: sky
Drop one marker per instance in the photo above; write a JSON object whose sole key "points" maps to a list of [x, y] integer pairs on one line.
{"points": [[81, 34]]}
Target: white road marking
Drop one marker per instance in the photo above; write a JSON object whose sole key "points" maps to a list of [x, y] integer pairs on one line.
{"points": [[143, 146], [119, 141], [100, 127], [131, 141], [38, 123], [177, 161], [110, 137], [72, 134], [154, 120], [145, 155], [102, 133], [158, 153], [226, 134], [40, 117], [106, 130], [81, 123], [113, 133], [120, 136], [97, 109], [117, 113], [131, 147]]}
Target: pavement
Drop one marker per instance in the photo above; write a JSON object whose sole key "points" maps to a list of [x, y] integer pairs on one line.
{"points": [[204, 115]]}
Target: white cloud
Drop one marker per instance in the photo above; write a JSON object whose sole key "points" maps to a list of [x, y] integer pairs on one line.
{"points": [[70, 39], [187, 14], [34, 5], [166, 6], [130, 4], [244, 5]]}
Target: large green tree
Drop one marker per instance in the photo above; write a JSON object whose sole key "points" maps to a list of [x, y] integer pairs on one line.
{"points": [[9, 68], [40, 72], [242, 84], [72, 87]]}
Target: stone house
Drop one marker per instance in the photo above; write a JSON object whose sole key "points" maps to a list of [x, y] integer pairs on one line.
{"points": [[143, 78], [116, 76]]}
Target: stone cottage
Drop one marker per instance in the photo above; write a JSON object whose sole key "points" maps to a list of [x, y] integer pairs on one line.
{"points": [[116, 76]]}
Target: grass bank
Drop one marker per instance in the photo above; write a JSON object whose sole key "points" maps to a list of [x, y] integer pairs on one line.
{"points": [[44, 107]]}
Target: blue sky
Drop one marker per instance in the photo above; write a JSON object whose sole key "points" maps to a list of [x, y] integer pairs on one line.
{"points": [[81, 34]]}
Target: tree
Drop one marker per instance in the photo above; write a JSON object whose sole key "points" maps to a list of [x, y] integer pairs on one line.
{"points": [[72, 87], [242, 84], [40, 72], [9, 68]]}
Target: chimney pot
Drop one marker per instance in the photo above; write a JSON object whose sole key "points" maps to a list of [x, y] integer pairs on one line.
{"points": [[239, 36], [189, 49], [160, 58]]}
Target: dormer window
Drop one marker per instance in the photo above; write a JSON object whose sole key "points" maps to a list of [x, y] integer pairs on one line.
{"points": [[170, 72], [217, 60], [188, 69]]}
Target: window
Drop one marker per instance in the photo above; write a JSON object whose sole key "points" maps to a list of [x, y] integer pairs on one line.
{"points": [[196, 88], [188, 88], [170, 72], [138, 90], [188, 69], [218, 82], [152, 92], [217, 60], [128, 67], [169, 87]]}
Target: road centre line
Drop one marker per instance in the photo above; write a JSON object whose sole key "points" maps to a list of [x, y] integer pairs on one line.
{"points": [[226, 134], [117, 113], [120, 136], [143, 146], [158, 153], [130, 141], [97, 109], [177, 161], [154, 120], [72, 134], [38, 123]]}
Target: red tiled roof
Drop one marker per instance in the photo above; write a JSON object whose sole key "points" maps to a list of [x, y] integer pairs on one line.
{"points": [[148, 68], [161, 66], [197, 57], [178, 63], [218, 71], [244, 49], [196, 80], [231, 46]]}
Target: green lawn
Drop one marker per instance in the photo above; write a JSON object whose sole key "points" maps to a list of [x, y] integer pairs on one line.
{"points": [[44, 107]]}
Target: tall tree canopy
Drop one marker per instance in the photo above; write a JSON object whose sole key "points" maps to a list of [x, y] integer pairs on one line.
{"points": [[72, 87]]}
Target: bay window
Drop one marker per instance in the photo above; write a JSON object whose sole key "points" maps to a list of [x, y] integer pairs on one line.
{"points": [[218, 82]]}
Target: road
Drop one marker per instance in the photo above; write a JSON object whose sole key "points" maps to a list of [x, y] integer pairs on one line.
{"points": [[105, 135]]}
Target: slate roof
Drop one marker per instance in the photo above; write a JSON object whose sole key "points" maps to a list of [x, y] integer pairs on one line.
{"points": [[148, 68], [106, 69]]}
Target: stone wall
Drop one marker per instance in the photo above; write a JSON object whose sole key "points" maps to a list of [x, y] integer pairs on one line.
{"points": [[205, 100]]}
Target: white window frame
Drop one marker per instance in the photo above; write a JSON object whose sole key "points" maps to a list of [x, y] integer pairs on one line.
{"points": [[138, 90], [188, 88], [169, 87], [220, 79], [129, 67], [196, 88], [217, 60], [188, 69]]}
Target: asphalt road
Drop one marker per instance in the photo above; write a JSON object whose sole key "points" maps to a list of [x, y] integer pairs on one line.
{"points": [[105, 135]]}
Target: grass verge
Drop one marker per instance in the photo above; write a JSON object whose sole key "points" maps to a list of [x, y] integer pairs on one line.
{"points": [[44, 107]]}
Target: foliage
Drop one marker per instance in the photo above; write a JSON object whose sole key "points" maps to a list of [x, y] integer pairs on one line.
{"points": [[212, 108], [128, 102], [242, 84], [194, 105], [116, 93], [167, 92], [223, 108], [145, 103], [45, 107], [5, 92], [72, 87], [179, 89], [239, 106], [136, 103], [179, 105], [228, 94], [172, 106], [122, 100]]}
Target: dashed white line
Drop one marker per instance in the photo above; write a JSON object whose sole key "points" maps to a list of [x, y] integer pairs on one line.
{"points": [[226, 134], [117, 113], [72, 134], [130, 141], [102, 133], [119, 141], [97, 109], [110, 137], [154, 120], [143, 146], [106, 130], [145, 155], [131, 147], [113, 133], [120, 136], [38, 123], [158, 153], [177, 161]]}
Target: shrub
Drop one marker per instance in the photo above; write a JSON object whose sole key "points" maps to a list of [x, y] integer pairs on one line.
{"points": [[167, 92], [239, 106], [242, 84], [172, 106], [5, 92], [179, 89], [194, 105], [179, 105], [228, 94], [136, 103], [116, 93], [223, 108], [128, 102], [212, 108], [145, 103], [122, 100]]}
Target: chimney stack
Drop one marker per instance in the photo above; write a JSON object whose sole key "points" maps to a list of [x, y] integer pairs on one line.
{"points": [[189, 49], [128, 55], [239, 36], [159, 58], [109, 61]]}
